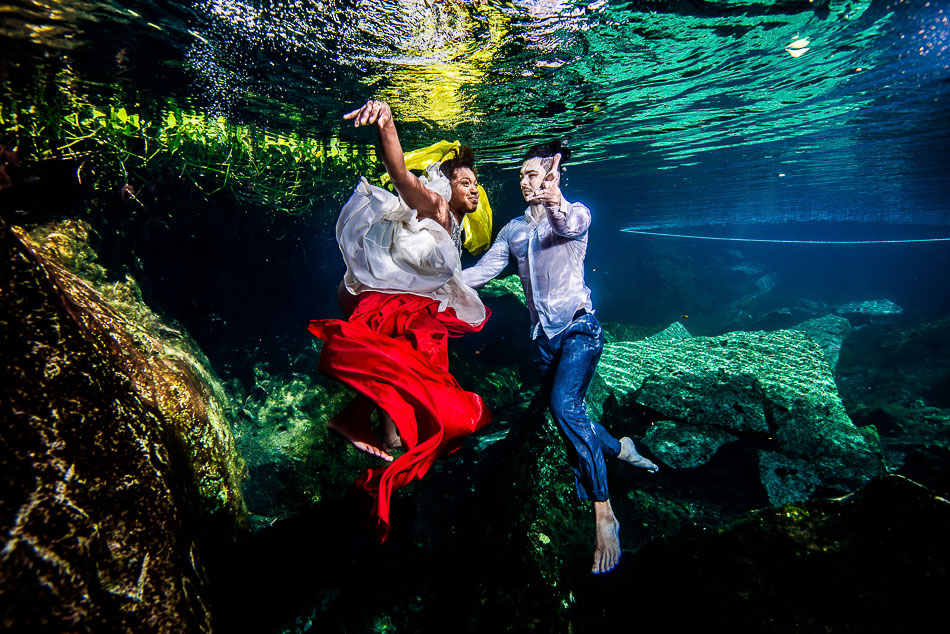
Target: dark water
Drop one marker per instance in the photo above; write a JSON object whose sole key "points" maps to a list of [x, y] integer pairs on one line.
{"points": [[733, 185]]}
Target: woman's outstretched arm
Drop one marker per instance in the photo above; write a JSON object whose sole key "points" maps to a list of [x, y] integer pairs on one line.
{"points": [[427, 203]]}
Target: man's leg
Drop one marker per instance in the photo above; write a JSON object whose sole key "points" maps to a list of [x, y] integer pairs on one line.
{"points": [[587, 441], [606, 538]]}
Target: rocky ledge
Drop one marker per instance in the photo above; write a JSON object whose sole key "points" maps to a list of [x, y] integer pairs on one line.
{"points": [[120, 476]]}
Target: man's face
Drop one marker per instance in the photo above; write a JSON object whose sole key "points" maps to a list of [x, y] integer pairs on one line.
{"points": [[533, 173], [464, 191]]}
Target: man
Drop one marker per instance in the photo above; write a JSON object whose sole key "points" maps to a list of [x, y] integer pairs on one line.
{"points": [[550, 243], [403, 296]]}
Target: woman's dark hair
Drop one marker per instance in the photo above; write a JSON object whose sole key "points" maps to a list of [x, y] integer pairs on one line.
{"points": [[548, 150], [464, 157]]}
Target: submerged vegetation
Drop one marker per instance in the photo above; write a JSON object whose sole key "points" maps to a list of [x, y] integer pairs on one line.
{"points": [[120, 145]]}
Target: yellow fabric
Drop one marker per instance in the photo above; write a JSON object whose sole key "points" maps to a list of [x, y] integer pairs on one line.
{"points": [[478, 224], [424, 157]]}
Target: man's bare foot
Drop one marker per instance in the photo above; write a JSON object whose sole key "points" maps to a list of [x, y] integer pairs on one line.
{"points": [[628, 453], [607, 539], [363, 439], [391, 440]]}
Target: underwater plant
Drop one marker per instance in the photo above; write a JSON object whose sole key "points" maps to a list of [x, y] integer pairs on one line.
{"points": [[119, 144]]}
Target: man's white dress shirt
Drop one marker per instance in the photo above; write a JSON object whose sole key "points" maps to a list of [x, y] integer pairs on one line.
{"points": [[550, 252]]}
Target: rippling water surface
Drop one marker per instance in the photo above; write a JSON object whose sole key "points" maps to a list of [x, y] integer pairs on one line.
{"points": [[695, 112]]}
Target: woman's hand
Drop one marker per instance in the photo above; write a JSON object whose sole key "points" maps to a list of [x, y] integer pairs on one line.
{"points": [[427, 204], [373, 111]]}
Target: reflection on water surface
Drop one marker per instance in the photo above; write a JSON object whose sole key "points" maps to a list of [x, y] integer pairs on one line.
{"points": [[723, 94]]}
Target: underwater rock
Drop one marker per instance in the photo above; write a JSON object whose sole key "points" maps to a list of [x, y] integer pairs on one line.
{"points": [[492, 539], [786, 478], [618, 331], [781, 319], [899, 364], [674, 332], [746, 268], [915, 440], [870, 308], [293, 460], [762, 286], [773, 388], [898, 379], [537, 525], [829, 332], [682, 447], [742, 312], [119, 469], [104, 502], [165, 368]]}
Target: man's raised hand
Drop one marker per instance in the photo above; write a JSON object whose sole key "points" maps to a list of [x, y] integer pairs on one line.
{"points": [[549, 193]]}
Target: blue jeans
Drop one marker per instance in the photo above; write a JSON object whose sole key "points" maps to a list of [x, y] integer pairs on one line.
{"points": [[566, 364]]}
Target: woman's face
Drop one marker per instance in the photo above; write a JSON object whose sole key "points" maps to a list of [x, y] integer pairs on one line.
{"points": [[464, 191]]}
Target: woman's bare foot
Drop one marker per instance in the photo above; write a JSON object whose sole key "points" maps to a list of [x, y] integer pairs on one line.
{"points": [[363, 439], [628, 453], [607, 538], [391, 440]]}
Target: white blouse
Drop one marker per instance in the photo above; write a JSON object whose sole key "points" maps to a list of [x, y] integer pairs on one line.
{"points": [[389, 249]]}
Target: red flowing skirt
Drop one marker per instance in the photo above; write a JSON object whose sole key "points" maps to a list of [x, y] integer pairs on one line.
{"points": [[393, 350]]}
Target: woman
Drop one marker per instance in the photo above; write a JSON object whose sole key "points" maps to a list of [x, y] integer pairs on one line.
{"points": [[404, 297]]}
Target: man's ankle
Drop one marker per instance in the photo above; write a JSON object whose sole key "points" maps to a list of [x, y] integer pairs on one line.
{"points": [[603, 512]]}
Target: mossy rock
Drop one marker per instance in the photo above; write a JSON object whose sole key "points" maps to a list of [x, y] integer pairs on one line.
{"points": [[120, 474], [770, 388]]}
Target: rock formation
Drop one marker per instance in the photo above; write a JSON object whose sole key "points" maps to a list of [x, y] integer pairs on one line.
{"points": [[119, 469], [775, 390]]}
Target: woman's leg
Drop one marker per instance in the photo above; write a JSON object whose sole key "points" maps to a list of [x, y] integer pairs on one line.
{"points": [[353, 423]]}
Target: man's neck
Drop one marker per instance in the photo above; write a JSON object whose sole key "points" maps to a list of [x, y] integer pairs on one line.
{"points": [[537, 212]]}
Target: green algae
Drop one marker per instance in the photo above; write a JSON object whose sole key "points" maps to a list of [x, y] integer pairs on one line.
{"points": [[657, 513], [499, 287], [293, 460], [111, 512], [500, 386], [122, 142], [683, 446]]}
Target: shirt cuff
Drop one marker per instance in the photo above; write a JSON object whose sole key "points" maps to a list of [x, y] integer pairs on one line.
{"points": [[561, 212]]}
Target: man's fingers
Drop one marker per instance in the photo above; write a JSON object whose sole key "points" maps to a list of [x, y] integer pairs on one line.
{"points": [[350, 115], [554, 175]]}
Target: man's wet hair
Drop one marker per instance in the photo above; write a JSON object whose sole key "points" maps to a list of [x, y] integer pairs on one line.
{"points": [[547, 151], [464, 157]]}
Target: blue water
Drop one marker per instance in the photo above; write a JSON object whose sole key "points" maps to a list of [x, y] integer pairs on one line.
{"points": [[732, 185]]}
